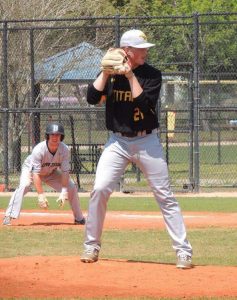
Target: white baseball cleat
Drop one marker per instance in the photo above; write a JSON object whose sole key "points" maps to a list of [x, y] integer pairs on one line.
{"points": [[90, 255], [184, 261], [7, 220]]}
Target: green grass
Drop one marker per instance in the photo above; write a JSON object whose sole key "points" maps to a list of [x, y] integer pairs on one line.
{"points": [[35, 241], [217, 168], [209, 154], [212, 246], [212, 204]]}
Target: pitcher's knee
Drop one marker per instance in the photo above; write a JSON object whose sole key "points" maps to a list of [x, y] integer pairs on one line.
{"points": [[101, 191]]}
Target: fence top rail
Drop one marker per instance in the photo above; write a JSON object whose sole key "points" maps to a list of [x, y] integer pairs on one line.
{"points": [[51, 110], [102, 109], [117, 16], [218, 109], [129, 25], [202, 82], [112, 26]]}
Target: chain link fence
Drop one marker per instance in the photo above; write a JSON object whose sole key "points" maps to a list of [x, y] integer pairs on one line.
{"points": [[46, 66]]}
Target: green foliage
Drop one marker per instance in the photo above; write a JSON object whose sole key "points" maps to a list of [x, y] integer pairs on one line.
{"points": [[186, 7], [175, 43], [171, 7]]}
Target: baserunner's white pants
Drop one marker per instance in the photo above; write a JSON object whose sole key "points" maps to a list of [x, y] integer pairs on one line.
{"points": [[53, 180]]}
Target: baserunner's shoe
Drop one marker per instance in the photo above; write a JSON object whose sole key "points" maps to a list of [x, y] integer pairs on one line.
{"points": [[90, 255], [7, 220], [81, 222], [184, 261]]}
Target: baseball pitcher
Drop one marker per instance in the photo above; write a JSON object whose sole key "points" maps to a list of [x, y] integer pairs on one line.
{"points": [[131, 90]]}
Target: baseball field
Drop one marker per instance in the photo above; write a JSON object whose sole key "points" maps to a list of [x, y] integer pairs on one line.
{"points": [[40, 252]]}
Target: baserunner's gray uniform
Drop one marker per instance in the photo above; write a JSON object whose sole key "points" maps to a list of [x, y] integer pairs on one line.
{"points": [[50, 167]]}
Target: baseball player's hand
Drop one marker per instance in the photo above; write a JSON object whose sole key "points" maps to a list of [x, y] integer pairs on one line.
{"points": [[115, 61], [42, 201], [62, 198]]}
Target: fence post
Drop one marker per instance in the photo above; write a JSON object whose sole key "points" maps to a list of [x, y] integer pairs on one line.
{"points": [[219, 125], [117, 30], [5, 103], [191, 120], [35, 91], [166, 136], [120, 184], [196, 103]]}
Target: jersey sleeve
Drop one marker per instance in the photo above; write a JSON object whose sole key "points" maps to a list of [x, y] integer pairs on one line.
{"points": [[65, 165], [36, 160], [93, 95], [151, 90]]}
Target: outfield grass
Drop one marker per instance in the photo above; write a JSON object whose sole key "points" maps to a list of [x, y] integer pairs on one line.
{"points": [[212, 204], [212, 246]]}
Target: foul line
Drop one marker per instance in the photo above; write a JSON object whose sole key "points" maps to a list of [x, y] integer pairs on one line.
{"points": [[119, 215]]}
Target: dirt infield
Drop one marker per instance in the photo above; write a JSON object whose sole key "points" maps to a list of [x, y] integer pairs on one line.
{"points": [[126, 220], [67, 277]]}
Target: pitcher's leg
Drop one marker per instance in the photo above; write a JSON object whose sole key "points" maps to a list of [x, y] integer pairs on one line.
{"points": [[155, 169], [111, 166], [172, 216]]}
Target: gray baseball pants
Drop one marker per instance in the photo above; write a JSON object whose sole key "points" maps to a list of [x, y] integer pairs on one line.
{"points": [[146, 152], [53, 180]]}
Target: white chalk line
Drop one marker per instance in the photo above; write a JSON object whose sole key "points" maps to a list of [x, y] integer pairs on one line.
{"points": [[118, 216]]}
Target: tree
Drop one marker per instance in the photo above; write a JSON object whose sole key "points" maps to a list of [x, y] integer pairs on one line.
{"points": [[174, 36], [46, 42]]}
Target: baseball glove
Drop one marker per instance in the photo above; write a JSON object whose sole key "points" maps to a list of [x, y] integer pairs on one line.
{"points": [[115, 61]]}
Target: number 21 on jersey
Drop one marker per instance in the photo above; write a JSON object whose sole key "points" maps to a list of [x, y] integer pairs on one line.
{"points": [[138, 115]]}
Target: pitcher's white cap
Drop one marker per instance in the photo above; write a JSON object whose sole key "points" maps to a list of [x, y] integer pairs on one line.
{"points": [[135, 38]]}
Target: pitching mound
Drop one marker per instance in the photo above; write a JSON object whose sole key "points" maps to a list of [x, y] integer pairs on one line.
{"points": [[67, 277]]}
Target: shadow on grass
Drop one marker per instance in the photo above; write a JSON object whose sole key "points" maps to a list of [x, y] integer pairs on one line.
{"points": [[48, 224]]}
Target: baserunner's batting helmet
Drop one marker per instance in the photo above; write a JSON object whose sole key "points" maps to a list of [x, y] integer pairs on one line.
{"points": [[54, 128]]}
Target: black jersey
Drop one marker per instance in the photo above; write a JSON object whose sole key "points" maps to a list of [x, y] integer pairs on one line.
{"points": [[123, 112]]}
